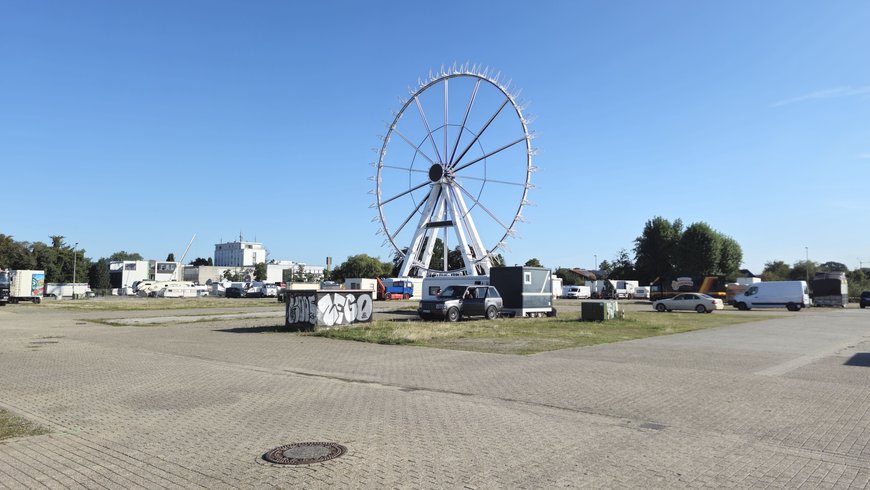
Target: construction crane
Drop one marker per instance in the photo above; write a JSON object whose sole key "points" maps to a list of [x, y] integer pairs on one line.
{"points": [[181, 262]]}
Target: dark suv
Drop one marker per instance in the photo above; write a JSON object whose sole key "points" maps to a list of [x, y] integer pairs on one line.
{"points": [[455, 302], [865, 299]]}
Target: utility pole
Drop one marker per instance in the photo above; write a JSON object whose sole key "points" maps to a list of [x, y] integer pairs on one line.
{"points": [[74, 271], [808, 263]]}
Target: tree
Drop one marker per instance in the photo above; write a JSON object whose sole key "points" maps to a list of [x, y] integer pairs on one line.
{"points": [[98, 274], [122, 255], [569, 277], [199, 261], [776, 270], [605, 268], [533, 263], [800, 272], [15, 254], [622, 267], [361, 265], [170, 257], [699, 251], [655, 249], [833, 267], [730, 257], [260, 271], [234, 276]]}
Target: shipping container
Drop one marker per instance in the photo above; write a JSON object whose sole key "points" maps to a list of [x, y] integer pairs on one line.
{"points": [[526, 291]]}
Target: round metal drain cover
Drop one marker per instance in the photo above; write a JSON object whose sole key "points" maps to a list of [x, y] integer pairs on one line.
{"points": [[305, 453]]}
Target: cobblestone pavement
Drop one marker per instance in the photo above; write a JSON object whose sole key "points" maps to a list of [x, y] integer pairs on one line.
{"points": [[781, 403]]}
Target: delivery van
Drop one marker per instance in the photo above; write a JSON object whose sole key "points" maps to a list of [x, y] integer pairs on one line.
{"points": [[793, 295]]}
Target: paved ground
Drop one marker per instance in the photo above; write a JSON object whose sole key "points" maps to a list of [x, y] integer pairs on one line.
{"points": [[783, 403]]}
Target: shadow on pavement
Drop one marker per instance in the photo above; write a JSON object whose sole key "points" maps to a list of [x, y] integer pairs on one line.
{"points": [[861, 359], [261, 329]]}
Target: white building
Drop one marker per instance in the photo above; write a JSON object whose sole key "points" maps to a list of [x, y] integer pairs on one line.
{"points": [[238, 254], [123, 273], [275, 270]]}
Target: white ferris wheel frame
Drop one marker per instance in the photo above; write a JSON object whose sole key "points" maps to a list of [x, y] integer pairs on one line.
{"points": [[445, 207]]}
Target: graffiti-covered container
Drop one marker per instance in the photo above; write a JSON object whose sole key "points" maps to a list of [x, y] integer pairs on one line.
{"points": [[327, 307]]}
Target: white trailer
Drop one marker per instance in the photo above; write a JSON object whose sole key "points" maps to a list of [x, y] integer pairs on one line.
{"points": [[435, 284], [59, 290], [361, 283]]}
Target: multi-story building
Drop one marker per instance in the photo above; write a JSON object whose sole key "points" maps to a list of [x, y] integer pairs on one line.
{"points": [[239, 254]]}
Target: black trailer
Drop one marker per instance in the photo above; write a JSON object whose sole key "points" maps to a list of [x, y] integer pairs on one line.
{"points": [[830, 289], [526, 291]]}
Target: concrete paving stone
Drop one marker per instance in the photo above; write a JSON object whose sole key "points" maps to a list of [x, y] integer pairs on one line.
{"points": [[767, 404]]}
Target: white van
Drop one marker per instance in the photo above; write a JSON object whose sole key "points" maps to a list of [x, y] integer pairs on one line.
{"points": [[641, 292], [576, 292], [793, 295]]}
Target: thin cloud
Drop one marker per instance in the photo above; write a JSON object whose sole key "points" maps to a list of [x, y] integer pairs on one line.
{"points": [[831, 93]]}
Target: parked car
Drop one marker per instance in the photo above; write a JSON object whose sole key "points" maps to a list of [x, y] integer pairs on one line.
{"points": [[235, 292], [455, 302], [865, 299], [690, 301]]}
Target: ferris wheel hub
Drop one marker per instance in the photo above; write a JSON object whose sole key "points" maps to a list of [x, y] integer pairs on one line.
{"points": [[436, 172]]}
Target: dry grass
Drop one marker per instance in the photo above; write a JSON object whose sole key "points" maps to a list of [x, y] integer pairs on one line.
{"points": [[531, 335], [139, 304], [14, 426]]}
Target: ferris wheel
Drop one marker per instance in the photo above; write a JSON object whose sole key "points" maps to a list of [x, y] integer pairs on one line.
{"points": [[455, 166]]}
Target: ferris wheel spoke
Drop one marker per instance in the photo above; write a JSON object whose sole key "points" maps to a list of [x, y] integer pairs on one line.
{"points": [[484, 157], [464, 120], [405, 168], [479, 133], [521, 184], [426, 123], [406, 192], [418, 150], [399, 229], [484, 208]]}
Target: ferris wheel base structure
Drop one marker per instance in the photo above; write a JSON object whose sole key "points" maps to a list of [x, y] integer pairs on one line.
{"points": [[460, 179]]}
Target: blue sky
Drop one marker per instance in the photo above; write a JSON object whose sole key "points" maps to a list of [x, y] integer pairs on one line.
{"points": [[132, 125]]}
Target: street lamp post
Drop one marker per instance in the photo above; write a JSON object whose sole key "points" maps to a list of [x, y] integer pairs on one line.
{"points": [[595, 265], [74, 271], [807, 249]]}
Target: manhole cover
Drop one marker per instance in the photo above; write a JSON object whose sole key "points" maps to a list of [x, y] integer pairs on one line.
{"points": [[305, 453]]}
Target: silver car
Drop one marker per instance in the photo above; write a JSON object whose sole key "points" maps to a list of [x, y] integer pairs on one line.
{"points": [[699, 302]]}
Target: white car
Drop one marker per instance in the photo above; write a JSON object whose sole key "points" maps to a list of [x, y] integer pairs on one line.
{"points": [[690, 301]]}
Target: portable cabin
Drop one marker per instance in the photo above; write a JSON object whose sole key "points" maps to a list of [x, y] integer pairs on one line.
{"points": [[526, 291]]}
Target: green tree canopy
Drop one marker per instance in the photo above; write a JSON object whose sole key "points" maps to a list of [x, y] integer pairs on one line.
{"points": [[361, 265], [533, 262], [122, 255], [199, 261], [776, 270], [622, 267], [699, 250], [730, 257], [260, 271], [655, 249], [833, 267], [98, 274], [170, 257], [569, 277]]}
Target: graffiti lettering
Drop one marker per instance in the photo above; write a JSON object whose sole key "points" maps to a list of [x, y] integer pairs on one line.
{"points": [[329, 308]]}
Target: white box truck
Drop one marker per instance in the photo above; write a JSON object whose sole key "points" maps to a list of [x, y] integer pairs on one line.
{"points": [[793, 295], [27, 285]]}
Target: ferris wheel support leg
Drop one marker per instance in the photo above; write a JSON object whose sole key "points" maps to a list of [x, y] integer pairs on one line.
{"points": [[417, 241], [476, 243], [459, 222], [433, 235]]}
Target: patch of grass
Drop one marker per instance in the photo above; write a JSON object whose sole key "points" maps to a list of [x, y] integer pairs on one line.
{"points": [[12, 425], [140, 304], [531, 335]]}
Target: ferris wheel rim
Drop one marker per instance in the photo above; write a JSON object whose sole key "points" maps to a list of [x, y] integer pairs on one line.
{"points": [[450, 164]]}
